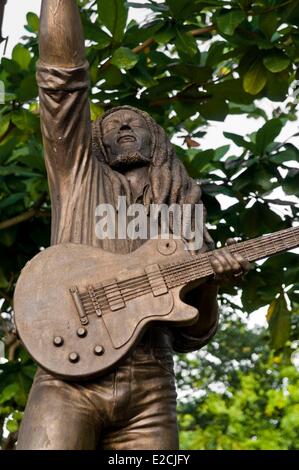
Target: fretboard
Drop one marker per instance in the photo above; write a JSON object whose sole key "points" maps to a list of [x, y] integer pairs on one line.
{"points": [[197, 267]]}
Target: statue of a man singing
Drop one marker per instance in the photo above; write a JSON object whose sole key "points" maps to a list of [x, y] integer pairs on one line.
{"points": [[126, 153]]}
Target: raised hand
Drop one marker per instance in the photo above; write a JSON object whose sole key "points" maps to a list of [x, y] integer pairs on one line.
{"points": [[61, 40]]}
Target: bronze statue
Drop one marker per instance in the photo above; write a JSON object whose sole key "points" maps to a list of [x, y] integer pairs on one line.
{"points": [[124, 153]]}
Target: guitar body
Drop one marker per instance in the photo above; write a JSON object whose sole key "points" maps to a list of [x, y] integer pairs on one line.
{"points": [[79, 309]]}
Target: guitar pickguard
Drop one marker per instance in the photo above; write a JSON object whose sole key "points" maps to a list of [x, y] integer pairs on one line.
{"points": [[138, 310]]}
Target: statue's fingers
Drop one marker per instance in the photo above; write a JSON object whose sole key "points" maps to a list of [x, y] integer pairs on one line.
{"points": [[231, 241], [246, 265], [232, 262]]}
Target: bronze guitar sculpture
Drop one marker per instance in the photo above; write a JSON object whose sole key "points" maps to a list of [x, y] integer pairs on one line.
{"points": [[133, 290]]}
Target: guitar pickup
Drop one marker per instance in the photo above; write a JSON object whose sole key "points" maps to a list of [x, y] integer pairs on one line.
{"points": [[156, 280], [113, 295]]}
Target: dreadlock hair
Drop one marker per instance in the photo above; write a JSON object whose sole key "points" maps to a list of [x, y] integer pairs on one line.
{"points": [[169, 180]]}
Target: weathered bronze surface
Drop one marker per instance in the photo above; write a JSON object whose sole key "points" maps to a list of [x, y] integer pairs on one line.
{"points": [[124, 153]]}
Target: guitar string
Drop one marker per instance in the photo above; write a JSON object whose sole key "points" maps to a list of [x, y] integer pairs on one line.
{"points": [[175, 265], [200, 260], [146, 283], [179, 271], [128, 296], [153, 276]]}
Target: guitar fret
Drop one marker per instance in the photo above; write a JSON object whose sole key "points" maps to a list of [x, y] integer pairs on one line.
{"points": [[199, 266]]}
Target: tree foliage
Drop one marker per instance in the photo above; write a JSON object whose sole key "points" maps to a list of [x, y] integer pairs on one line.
{"points": [[189, 64], [245, 397]]}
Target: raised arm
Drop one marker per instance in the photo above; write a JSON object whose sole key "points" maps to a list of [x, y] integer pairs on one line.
{"points": [[62, 76], [61, 41]]}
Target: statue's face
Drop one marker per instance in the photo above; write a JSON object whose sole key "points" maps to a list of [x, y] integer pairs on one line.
{"points": [[127, 139]]}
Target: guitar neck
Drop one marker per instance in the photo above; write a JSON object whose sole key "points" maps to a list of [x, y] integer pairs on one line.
{"points": [[197, 267]]}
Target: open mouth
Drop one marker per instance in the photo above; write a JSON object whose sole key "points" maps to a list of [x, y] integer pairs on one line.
{"points": [[126, 138]]}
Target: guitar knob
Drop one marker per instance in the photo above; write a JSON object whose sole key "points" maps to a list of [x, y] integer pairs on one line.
{"points": [[82, 332], [74, 357], [58, 341], [98, 350], [167, 247]]}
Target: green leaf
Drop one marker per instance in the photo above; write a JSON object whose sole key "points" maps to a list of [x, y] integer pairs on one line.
{"points": [[255, 78], [276, 62], [215, 109], [267, 134], [113, 77], [279, 321], [10, 66], [94, 33], [277, 85], [239, 140], [186, 43], [4, 124], [27, 89], [290, 153], [9, 392], [124, 58], [228, 22], [25, 120], [114, 14], [165, 35], [257, 219], [194, 73], [177, 7], [96, 110], [33, 22], [291, 182], [231, 89], [143, 78], [12, 199], [199, 160], [268, 23], [16, 170], [220, 152], [21, 56], [12, 425]]}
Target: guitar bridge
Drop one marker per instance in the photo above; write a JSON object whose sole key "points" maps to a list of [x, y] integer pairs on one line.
{"points": [[78, 302]]}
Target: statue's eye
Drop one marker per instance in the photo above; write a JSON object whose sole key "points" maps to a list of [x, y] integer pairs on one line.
{"points": [[109, 127], [136, 123]]}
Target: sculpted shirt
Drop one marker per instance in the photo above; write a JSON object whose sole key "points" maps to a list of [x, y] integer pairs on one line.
{"points": [[76, 178]]}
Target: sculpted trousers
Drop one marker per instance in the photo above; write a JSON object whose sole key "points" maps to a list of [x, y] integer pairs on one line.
{"points": [[130, 408]]}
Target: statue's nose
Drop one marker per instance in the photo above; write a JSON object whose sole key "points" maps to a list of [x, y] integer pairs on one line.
{"points": [[125, 127]]}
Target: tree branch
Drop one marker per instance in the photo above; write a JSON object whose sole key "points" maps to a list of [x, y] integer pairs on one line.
{"points": [[34, 212], [23, 217]]}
